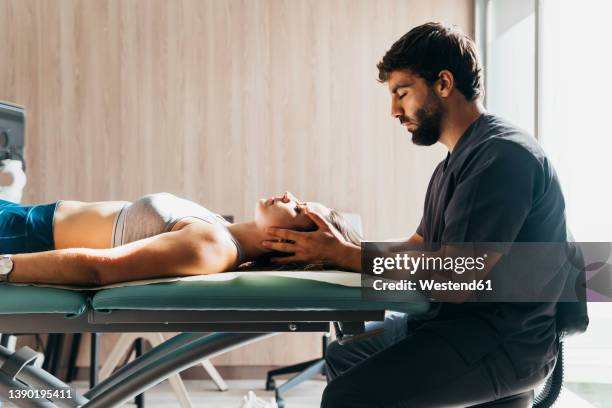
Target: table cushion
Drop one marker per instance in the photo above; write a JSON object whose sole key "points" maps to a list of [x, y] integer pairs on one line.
{"points": [[33, 299], [247, 292]]}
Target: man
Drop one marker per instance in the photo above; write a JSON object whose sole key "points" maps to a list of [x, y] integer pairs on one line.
{"points": [[495, 185]]}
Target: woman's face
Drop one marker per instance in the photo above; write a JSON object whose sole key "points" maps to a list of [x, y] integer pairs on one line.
{"points": [[286, 211]]}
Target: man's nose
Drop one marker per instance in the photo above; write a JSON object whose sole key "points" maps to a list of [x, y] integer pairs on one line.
{"points": [[396, 109]]}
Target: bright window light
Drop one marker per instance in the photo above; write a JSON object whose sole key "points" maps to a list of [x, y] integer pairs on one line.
{"points": [[575, 109]]}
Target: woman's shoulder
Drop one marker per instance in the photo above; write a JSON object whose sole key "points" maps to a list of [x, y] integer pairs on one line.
{"points": [[210, 233], [215, 240]]}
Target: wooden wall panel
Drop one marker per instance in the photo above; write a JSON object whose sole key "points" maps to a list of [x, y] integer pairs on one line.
{"points": [[221, 102]]}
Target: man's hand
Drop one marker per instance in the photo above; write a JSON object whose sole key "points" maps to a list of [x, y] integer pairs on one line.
{"points": [[325, 245]]}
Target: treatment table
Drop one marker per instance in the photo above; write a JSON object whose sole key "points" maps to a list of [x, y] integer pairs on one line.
{"points": [[214, 314]]}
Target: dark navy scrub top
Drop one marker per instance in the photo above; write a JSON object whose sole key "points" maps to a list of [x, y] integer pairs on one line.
{"points": [[496, 186], [26, 228]]}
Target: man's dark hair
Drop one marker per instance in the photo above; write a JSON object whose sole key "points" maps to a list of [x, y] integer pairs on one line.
{"points": [[430, 48]]}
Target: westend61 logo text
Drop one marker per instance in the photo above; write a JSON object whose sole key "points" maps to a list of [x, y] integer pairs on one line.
{"points": [[413, 264]]}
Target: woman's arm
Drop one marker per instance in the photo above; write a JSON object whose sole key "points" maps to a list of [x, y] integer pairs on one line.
{"points": [[195, 249]]}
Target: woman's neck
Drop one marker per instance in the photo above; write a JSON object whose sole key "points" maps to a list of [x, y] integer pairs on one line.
{"points": [[249, 237]]}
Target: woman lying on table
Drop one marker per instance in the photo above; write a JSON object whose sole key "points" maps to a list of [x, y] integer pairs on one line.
{"points": [[159, 235]]}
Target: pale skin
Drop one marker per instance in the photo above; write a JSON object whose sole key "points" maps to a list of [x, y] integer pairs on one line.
{"points": [[83, 255], [408, 94]]}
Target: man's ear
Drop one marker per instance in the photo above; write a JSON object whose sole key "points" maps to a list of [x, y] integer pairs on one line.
{"points": [[445, 83]]}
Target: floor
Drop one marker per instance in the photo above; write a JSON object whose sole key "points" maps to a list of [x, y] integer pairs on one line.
{"points": [[599, 395], [203, 394], [308, 395]]}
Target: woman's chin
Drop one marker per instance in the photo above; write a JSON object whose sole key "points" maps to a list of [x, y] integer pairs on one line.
{"points": [[260, 210]]}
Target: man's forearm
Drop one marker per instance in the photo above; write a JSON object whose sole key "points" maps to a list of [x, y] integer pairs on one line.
{"points": [[350, 257]]}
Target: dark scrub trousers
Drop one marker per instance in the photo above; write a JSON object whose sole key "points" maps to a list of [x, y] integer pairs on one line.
{"points": [[496, 186], [26, 228]]}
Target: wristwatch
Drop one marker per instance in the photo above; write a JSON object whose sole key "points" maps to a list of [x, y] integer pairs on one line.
{"points": [[6, 267]]}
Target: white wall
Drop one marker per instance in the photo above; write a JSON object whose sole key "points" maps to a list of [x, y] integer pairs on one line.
{"points": [[510, 63]]}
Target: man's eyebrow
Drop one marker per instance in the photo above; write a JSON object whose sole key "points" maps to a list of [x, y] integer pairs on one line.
{"points": [[401, 85]]}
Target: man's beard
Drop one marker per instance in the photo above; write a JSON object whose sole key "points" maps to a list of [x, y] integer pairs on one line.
{"points": [[429, 119]]}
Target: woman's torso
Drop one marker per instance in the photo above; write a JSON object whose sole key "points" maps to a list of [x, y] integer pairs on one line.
{"points": [[80, 224], [100, 225], [157, 213]]}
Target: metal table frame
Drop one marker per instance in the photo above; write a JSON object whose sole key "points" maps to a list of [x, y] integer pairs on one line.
{"points": [[204, 334]]}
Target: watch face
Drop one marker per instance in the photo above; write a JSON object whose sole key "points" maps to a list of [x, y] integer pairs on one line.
{"points": [[6, 265]]}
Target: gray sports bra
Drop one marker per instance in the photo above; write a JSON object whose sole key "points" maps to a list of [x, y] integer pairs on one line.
{"points": [[157, 213]]}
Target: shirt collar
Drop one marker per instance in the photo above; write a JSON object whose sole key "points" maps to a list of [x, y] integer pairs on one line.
{"points": [[464, 141]]}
